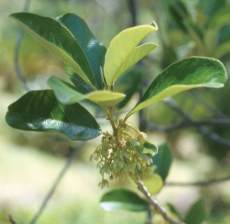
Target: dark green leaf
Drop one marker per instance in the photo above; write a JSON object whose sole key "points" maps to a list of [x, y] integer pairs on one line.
{"points": [[224, 34], [211, 7], [193, 72], [196, 214], [150, 149], [163, 160], [59, 40], [92, 48], [122, 199], [40, 111], [128, 84]]}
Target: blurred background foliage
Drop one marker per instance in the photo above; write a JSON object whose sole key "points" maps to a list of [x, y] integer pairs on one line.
{"points": [[29, 162]]}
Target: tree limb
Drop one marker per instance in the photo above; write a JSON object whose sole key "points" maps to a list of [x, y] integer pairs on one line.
{"points": [[157, 207], [203, 183], [54, 186]]}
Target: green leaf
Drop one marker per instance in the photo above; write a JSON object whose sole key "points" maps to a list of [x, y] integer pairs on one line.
{"points": [[174, 211], [128, 84], [123, 51], [163, 161], [40, 111], [67, 94], [211, 7], [193, 72], [196, 214], [58, 39], [122, 199], [150, 148], [92, 48], [154, 184]]}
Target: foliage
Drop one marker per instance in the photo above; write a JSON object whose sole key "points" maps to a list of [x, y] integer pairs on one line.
{"points": [[94, 75]]}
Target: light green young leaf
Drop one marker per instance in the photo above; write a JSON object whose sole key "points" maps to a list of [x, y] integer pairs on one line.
{"points": [[154, 184], [122, 199], [67, 94], [193, 72], [123, 51]]}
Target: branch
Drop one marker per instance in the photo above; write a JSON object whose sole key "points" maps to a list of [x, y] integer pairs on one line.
{"points": [[156, 205], [132, 4], [149, 216], [205, 183], [223, 122], [54, 186], [11, 220], [171, 103], [17, 49]]}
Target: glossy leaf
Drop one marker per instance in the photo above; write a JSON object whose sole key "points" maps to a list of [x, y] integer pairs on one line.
{"points": [[40, 111], [123, 51], [196, 214], [58, 39], [163, 161], [190, 73], [122, 199], [67, 94], [91, 47]]}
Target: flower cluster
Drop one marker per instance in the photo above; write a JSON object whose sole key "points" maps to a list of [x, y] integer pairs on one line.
{"points": [[125, 153]]}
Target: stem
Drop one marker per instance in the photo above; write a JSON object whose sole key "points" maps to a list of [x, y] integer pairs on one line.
{"points": [[149, 216], [111, 119], [156, 205], [203, 183]]}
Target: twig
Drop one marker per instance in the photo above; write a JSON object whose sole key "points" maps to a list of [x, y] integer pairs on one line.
{"points": [[204, 183], [223, 122], [149, 216], [171, 103], [132, 4], [17, 50], [154, 203], [11, 220], [54, 186]]}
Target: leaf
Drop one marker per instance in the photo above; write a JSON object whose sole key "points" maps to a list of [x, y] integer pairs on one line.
{"points": [[190, 73], [58, 39], [211, 7], [150, 148], [40, 111], [122, 199], [123, 51], [174, 211], [67, 94], [128, 84], [92, 48], [163, 161], [154, 184], [196, 214]]}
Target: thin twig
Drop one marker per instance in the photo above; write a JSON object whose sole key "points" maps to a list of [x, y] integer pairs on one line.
{"points": [[54, 186], [171, 103], [157, 207], [11, 220], [149, 216], [203, 183], [222, 122], [17, 50]]}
